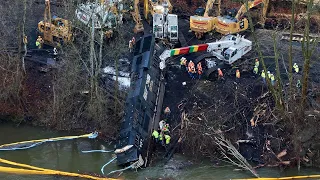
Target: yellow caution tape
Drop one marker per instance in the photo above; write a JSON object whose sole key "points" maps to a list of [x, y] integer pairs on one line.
{"points": [[283, 178], [91, 135], [41, 171]]}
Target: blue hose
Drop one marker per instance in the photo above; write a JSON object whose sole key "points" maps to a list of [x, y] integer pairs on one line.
{"points": [[121, 169], [107, 164], [90, 151]]}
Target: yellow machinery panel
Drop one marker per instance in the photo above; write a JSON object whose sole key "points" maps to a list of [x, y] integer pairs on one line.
{"points": [[226, 26]]}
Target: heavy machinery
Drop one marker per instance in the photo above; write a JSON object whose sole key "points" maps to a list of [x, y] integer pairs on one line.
{"points": [[107, 15], [55, 31], [225, 24], [137, 18], [156, 12], [227, 50], [231, 25], [203, 24]]}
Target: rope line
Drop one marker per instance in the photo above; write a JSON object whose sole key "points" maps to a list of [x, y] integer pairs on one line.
{"points": [[107, 164], [91, 151], [32, 143]]}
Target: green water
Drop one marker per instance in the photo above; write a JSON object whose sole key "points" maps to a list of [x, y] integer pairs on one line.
{"points": [[67, 156]]}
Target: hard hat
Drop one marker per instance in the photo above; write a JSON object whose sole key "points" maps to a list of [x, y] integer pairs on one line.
{"points": [[295, 64], [190, 60], [262, 70], [39, 36], [268, 72], [218, 68]]}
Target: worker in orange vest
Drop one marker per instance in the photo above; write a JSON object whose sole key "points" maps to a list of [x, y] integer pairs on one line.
{"points": [[199, 67], [191, 68], [238, 74], [220, 74]]}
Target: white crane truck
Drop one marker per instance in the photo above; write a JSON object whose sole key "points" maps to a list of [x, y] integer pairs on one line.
{"points": [[228, 49]]}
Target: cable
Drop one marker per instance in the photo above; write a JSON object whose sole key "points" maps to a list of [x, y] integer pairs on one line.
{"points": [[90, 151], [32, 143], [107, 164]]}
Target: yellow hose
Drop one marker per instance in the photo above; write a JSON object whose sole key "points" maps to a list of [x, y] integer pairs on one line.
{"points": [[283, 178], [49, 139], [41, 171]]}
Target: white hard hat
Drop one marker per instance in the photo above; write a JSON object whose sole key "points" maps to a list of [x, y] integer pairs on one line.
{"points": [[295, 64], [190, 60], [262, 70], [268, 72], [218, 68]]}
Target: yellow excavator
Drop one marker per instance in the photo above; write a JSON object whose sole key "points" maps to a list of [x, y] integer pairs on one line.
{"points": [[55, 31], [201, 24], [225, 24], [137, 18], [229, 25]]}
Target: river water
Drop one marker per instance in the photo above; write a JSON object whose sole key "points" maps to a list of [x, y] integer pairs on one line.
{"points": [[67, 156]]}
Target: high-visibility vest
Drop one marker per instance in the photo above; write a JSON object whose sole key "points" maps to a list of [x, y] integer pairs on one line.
{"points": [[167, 138], [263, 75], [296, 68], [238, 74], [183, 62], [155, 134], [256, 64], [272, 77], [220, 73], [256, 69], [199, 68], [160, 137], [37, 43]]}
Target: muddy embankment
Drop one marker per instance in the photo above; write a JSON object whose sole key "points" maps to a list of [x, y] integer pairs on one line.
{"points": [[244, 110]]}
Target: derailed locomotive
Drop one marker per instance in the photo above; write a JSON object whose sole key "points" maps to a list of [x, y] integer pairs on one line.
{"points": [[143, 104]]}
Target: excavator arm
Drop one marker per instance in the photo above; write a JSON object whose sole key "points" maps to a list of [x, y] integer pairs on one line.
{"points": [[137, 18], [243, 9], [210, 5]]}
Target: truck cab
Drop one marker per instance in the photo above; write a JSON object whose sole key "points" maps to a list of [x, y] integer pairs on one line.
{"points": [[165, 26]]}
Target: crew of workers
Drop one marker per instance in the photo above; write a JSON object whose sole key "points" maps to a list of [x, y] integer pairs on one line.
{"points": [[193, 72], [191, 69], [271, 76], [163, 134]]}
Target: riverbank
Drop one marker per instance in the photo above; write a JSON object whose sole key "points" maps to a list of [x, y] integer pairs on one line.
{"points": [[67, 156]]}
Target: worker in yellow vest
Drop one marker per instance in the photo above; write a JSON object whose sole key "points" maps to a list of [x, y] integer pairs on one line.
{"points": [[39, 42], [155, 135], [167, 138], [263, 75], [296, 67], [183, 63], [272, 79], [256, 64], [255, 70]]}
